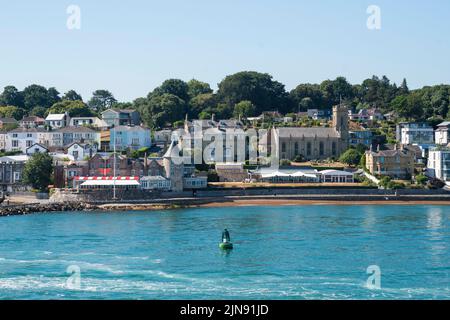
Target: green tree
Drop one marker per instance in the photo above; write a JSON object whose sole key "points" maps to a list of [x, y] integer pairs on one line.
{"points": [[38, 112], [74, 108], [72, 95], [36, 96], [196, 88], [351, 157], [258, 88], [53, 96], [244, 109], [174, 87], [201, 102], [101, 100], [11, 97], [12, 112], [38, 170], [162, 110]]}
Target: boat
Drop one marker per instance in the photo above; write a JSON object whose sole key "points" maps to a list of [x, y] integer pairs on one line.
{"points": [[226, 245]]}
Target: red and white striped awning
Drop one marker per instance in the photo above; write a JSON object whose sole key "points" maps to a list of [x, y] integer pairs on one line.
{"points": [[105, 178]]}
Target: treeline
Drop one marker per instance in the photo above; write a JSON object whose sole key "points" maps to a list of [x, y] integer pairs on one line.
{"points": [[242, 94]]}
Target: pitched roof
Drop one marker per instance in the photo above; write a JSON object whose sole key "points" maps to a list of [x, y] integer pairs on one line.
{"points": [[55, 117], [307, 132], [8, 120], [20, 130], [75, 129]]}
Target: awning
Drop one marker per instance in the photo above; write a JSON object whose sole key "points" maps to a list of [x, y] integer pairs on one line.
{"points": [[117, 183]]}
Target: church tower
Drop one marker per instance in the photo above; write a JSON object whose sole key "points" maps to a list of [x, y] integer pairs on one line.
{"points": [[340, 121]]}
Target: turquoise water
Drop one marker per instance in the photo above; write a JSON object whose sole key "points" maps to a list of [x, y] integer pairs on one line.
{"points": [[292, 252]]}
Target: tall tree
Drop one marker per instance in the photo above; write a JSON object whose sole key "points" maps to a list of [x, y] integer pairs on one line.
{"points": [[74, 108], [72, 95], [174, 87], [101, 100], [11, 97], [244, 109], [196, 88], [53, 96], [258, 88], [162, 110], [38, 171], [36, 96]]}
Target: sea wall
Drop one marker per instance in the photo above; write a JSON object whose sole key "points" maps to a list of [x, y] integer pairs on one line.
{"points": [[15, 210]]}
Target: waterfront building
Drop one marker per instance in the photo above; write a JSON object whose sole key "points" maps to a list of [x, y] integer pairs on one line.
{"points": [[439, 164], [337, 176], [231, 172], [397, 163], [155, 183], [313, 143], [11, 171], [121, 117], [195, 182], [285, 175], [57, 120], [32, 122], [442, 133], [119, 182], [415, 133], [129, 137]]}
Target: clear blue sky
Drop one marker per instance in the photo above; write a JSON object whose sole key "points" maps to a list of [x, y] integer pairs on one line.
{"points": [[130, 47]]}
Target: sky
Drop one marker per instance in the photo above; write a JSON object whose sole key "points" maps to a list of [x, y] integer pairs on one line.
{"points": [[131, 47]]}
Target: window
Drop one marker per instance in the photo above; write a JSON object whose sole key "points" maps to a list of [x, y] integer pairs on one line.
{"points": [[296, 148], [283, 147], [14, 135], [17, 176], [29, 143], [135, 141], [15, 143], [29, 135], [333, 148], [308, 148]]}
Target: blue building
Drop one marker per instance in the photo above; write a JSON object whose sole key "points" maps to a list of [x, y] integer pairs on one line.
{"points": [[363, 137], [129, 137]]}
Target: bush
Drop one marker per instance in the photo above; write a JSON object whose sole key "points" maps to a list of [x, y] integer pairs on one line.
{"points": [[299, 158]]}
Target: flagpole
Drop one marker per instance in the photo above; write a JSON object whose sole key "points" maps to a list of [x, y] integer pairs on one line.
{"points": [[114, 173]]}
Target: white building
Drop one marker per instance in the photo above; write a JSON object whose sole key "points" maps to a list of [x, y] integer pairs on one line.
{"points": [[439, 164], [21, 139], [88, 121], [155, 183], [336, 176], [80, 151], [415, 133], [57, 120], [442, 133], [36, 148]]}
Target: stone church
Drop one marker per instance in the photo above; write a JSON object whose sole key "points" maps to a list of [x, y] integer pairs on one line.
{"points": [[315, 143]]}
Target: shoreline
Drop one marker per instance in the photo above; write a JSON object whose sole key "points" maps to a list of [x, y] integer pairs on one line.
{"points": [[263, 202], [26, 209]]}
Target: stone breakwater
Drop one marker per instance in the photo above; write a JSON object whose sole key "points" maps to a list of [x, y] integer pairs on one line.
{"points": [[17, 210]]}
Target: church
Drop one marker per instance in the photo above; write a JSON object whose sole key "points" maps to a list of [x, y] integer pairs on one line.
{"points": [[317, 143]]}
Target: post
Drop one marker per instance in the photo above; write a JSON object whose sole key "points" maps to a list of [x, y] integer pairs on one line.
{"points": [[114, 170]]}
